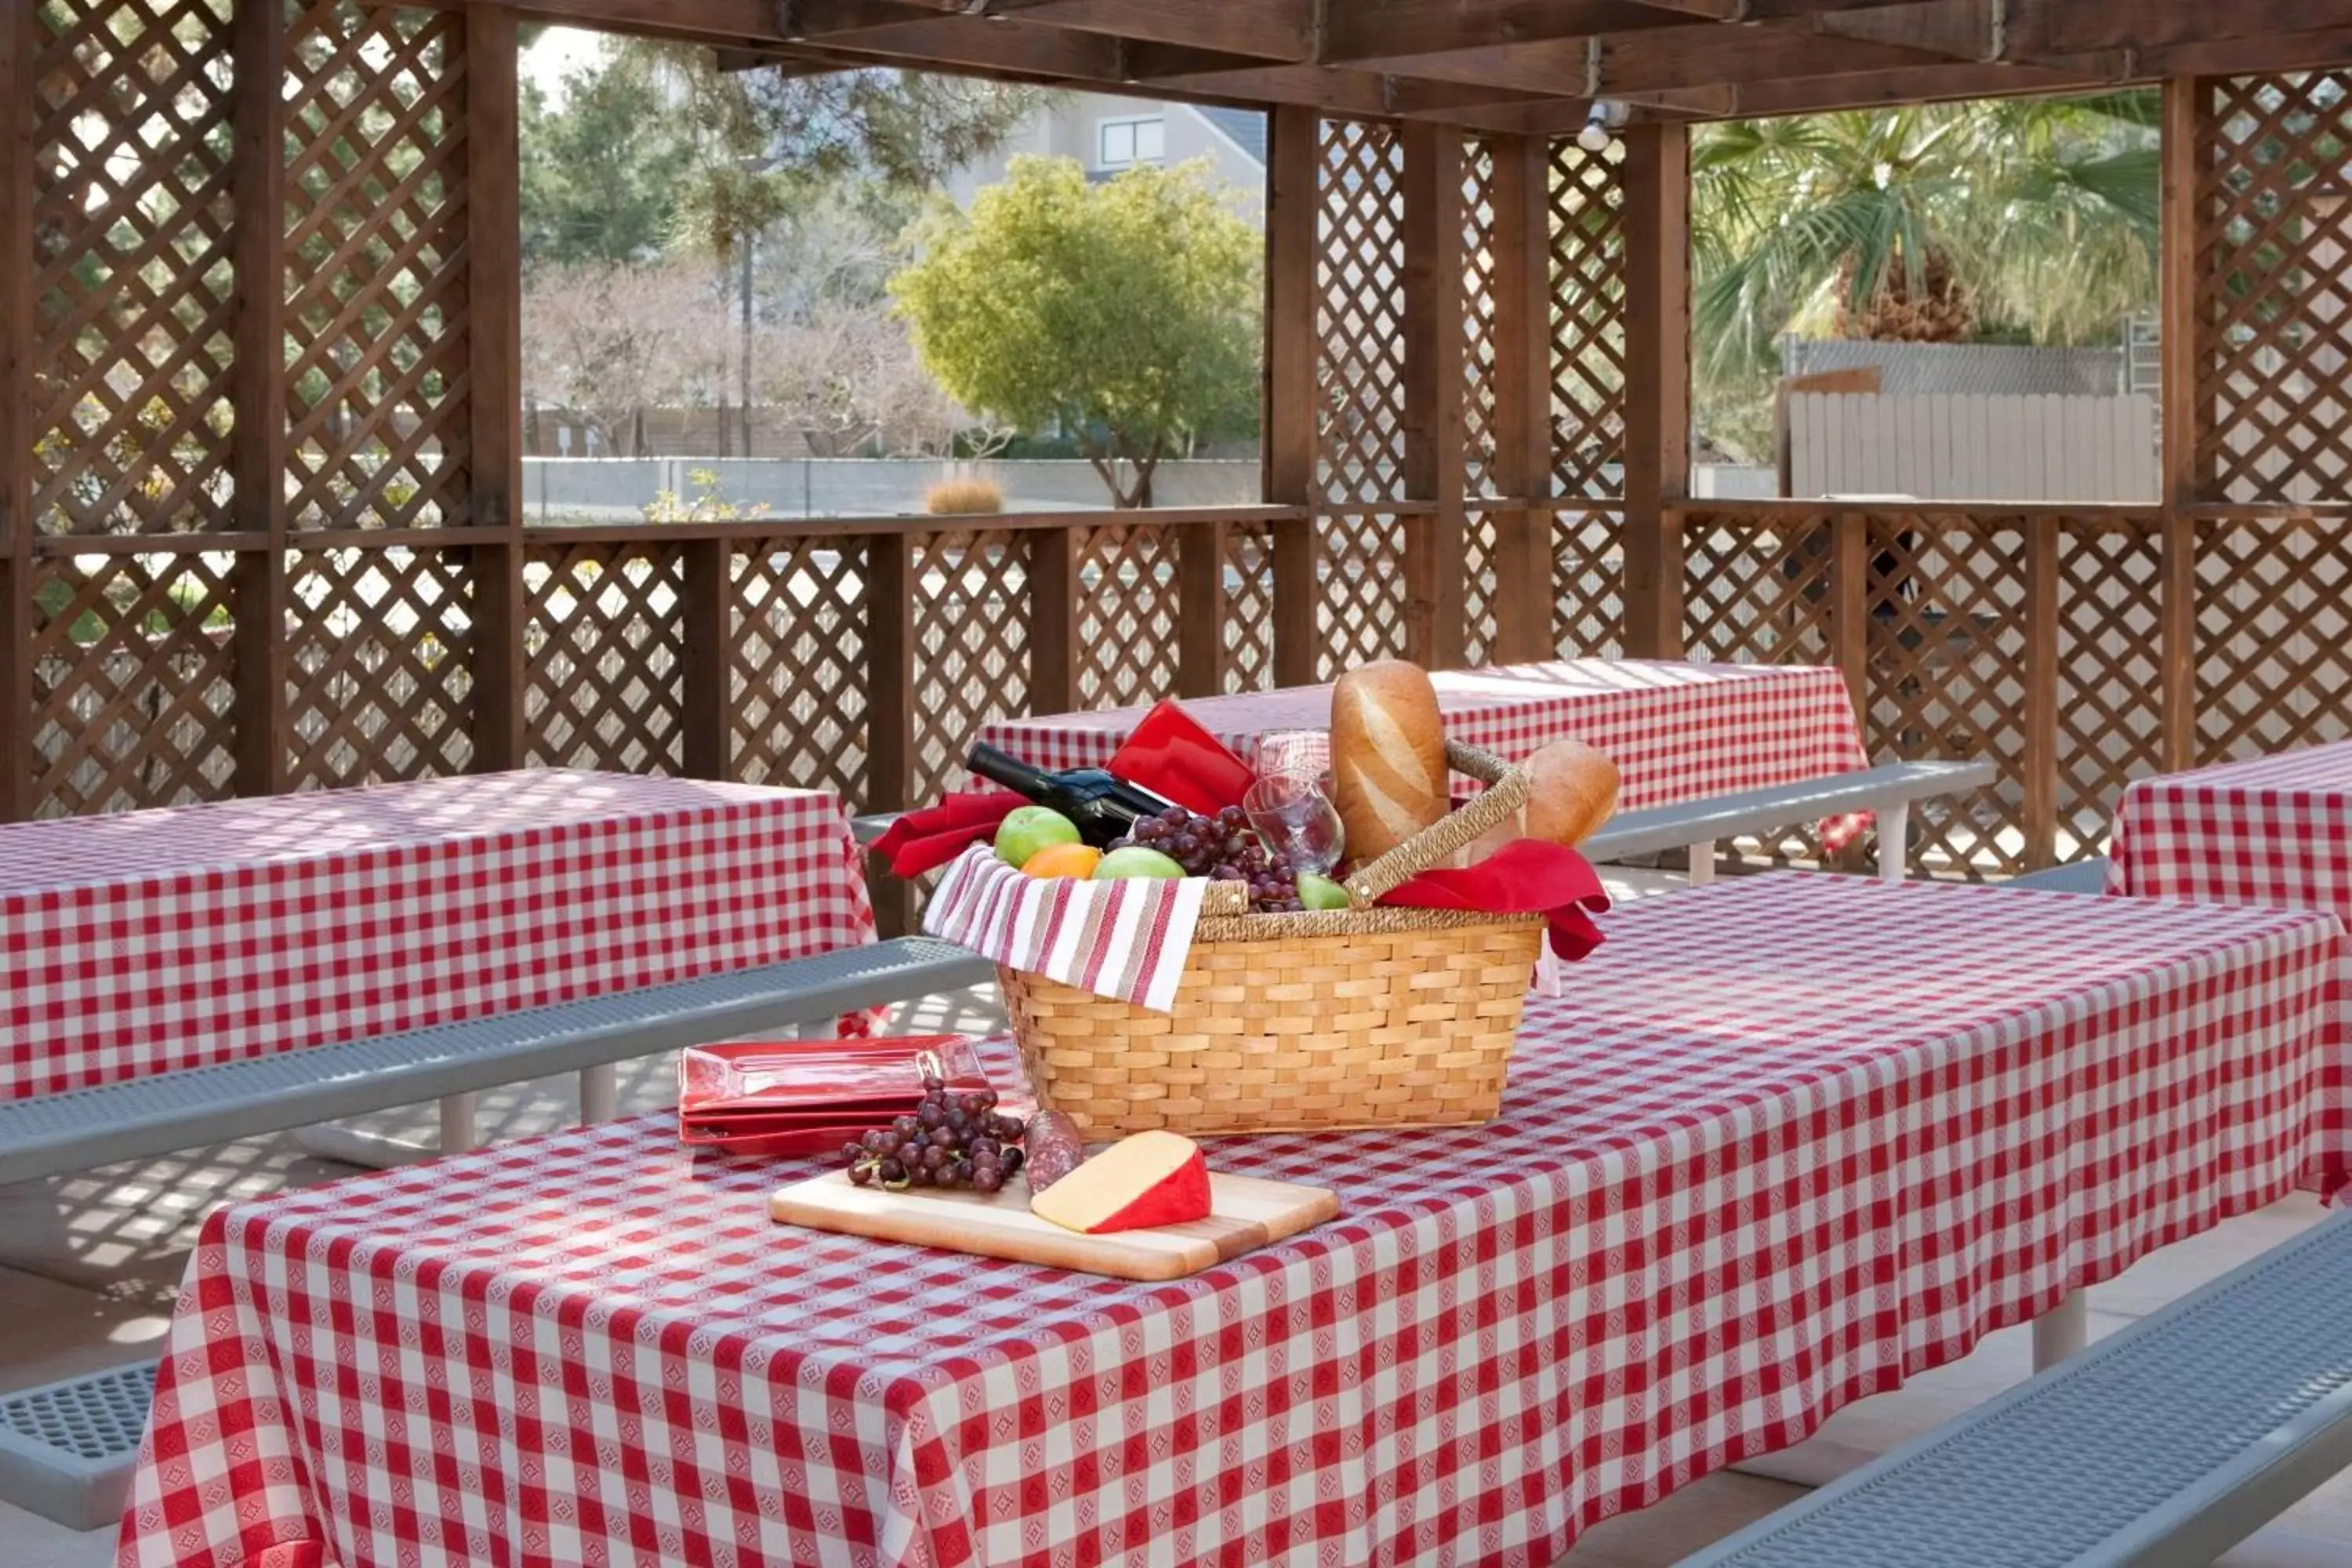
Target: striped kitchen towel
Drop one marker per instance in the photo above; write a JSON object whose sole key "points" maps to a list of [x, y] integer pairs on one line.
{"points": [[1125, 939]]}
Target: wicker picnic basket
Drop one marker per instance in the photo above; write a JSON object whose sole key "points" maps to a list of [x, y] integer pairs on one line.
{"points": [[1356, 1017]]}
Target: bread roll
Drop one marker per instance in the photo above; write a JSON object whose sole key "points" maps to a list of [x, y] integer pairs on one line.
{"points": [[1572, 790], [1387, 757]]}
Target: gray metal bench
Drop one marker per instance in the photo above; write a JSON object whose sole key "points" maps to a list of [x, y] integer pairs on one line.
{"points": [[157, 1114], [2160, 1446], [1698, 825], [65, 1450], [2081, 877]]}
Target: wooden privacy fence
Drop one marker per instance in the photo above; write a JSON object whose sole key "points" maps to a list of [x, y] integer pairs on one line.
{"points": [[1974, 446]]}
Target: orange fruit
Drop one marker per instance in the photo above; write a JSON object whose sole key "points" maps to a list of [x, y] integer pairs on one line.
{"points": [[1062, 860]]}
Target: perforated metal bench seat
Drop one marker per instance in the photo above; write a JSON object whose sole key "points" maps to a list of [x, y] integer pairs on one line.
{"points": [[2163, 1445], [76, 1130], [65, 1448], [2081, 877]]}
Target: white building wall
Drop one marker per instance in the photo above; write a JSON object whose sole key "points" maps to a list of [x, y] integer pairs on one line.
{"points": [[1071, 128]]}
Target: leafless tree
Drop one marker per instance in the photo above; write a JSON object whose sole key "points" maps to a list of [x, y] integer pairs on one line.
{"points": [[607, 341]]}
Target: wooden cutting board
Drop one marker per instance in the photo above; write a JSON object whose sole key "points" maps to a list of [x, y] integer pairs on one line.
{"points": [[1246, 1213]]}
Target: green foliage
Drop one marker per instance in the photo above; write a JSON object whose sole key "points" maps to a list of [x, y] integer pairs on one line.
{"points": [[601, 176], [1125, 311], [2030, 218], [709, 503], [762, 145]]}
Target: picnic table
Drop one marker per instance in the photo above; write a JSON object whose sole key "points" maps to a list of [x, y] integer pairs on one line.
{"points": [[1677, 732], [1731, 1192], [153, 941], [2274, 831]]}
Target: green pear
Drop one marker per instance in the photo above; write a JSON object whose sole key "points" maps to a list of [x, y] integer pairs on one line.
{"points": [[1318, 891]]}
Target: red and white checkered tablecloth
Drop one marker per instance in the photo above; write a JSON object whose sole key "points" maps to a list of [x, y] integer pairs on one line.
{"points": [[1677, 732], [1732, 1190], [2274, 831], [157, 939]]}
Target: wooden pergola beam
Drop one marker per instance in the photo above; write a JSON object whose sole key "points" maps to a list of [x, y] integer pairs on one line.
{"points": [[1374, 32], [1526, 67], [1266, 29], [2044, 28]]}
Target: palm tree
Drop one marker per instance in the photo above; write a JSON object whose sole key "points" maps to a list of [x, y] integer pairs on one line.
{"points": [[1944, 223]]}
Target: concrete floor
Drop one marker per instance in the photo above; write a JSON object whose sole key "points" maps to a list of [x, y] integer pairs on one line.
{"points": [[90, 1265]]}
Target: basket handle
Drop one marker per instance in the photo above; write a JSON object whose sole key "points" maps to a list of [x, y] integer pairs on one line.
{"points": [[1507, 791]]}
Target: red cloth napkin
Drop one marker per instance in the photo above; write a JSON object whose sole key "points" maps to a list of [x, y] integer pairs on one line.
{"points": [[924, 840], [1169, 754], [1526, 876]]}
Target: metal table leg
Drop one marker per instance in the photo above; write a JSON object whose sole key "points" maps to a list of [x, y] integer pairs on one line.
{"points": [[2061, 1331], [1893, 841], [600, 1094]]}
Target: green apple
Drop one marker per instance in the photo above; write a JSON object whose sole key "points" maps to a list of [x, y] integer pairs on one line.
{"points": [[1135, 860], [1029, 829], [1318, 891]]}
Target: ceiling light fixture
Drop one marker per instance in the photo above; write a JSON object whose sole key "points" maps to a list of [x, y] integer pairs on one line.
{"points": [[1595, 137]]}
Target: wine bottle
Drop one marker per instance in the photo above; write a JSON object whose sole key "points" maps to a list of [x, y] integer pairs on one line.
{"points": [[1104, 806]]}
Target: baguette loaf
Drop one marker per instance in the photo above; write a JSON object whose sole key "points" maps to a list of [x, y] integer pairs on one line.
{"points": [[1572, 791], [1387, 757]]}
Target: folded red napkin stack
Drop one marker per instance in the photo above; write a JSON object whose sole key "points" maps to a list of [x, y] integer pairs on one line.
{"points": [[808, 1097]]}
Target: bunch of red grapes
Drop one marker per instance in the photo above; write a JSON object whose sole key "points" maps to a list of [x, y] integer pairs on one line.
{"points": [[1221, 847], [949, 1140]]}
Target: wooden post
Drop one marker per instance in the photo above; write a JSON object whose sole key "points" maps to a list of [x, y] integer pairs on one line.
{"points": [[1658, 382], [264, 734], [889, 708], [1054, 619], [1850, 608], [1293, 219], [2178, 643], [2186, 475], [494, 303], [1200, 608], [2042, 691], [1521, 422], [17, 435], [1434, 469], [2180, 397], [707, 611]]}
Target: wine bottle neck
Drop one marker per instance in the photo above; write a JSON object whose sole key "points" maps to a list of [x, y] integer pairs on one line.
{"points": [[1014, 774]]}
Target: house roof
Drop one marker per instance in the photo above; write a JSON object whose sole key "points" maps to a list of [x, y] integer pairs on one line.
{"points": [[1245, 128]]}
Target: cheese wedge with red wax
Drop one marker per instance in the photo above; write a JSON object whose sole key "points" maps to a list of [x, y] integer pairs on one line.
{"points": [[1147, 1179]]}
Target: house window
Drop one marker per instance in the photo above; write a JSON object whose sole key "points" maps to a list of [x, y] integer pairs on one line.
{"points": [[1121, 143]]}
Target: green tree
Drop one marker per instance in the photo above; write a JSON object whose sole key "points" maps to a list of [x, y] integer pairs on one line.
{"points": [[1125, 311], [603, 173], [2016, 218], [763, 146]]}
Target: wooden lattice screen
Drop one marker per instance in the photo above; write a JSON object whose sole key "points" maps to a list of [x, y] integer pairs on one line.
{"points": [[244, 308], [259, 280], [2273, 292]]}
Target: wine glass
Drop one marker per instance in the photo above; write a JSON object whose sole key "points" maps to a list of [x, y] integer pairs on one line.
{"points": [[1300, 754], [1295, 821]]}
